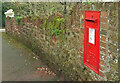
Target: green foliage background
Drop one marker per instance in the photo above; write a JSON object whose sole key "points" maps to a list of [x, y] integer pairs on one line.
{"points": [[42, 9]]}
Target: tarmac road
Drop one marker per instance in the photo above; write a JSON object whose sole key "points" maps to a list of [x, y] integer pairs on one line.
{"points": [[19, 64]]}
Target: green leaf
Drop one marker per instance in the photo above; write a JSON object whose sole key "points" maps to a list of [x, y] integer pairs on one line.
{"points": [[89, 2]]}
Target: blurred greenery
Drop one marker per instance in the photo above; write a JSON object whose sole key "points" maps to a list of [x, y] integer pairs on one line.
{"points": [[10, 5], [31, 9], [18, 18], [55, 25], [0, 14]]}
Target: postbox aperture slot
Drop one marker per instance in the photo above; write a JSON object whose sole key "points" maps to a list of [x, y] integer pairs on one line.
{"points": [[91, 19]]}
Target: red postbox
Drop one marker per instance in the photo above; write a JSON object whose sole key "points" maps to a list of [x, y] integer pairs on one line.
{"points": [[92, 40]]}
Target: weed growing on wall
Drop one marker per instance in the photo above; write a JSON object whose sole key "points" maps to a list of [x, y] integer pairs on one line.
{"points": [[55, 26], [18, 18]]}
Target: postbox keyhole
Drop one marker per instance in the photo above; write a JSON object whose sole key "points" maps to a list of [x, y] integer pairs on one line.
{"points": [[92, 16]]}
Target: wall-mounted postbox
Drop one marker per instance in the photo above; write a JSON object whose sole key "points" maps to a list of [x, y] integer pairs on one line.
{"points": [[91, 40]]}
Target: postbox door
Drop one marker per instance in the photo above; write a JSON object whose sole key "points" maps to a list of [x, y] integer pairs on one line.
{"points": [[91, 40]]}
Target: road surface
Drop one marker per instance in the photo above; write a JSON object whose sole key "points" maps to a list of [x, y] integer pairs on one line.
{"points": [[20, 64]]}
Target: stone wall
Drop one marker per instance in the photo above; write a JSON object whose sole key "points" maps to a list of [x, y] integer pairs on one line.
{"points": [[108, 37], [65, 52]]}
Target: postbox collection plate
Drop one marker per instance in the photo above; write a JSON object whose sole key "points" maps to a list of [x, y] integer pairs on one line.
{"points": [[92, 40]]}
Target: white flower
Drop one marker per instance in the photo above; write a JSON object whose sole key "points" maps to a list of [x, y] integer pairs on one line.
{"points": [[9, 13]]}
